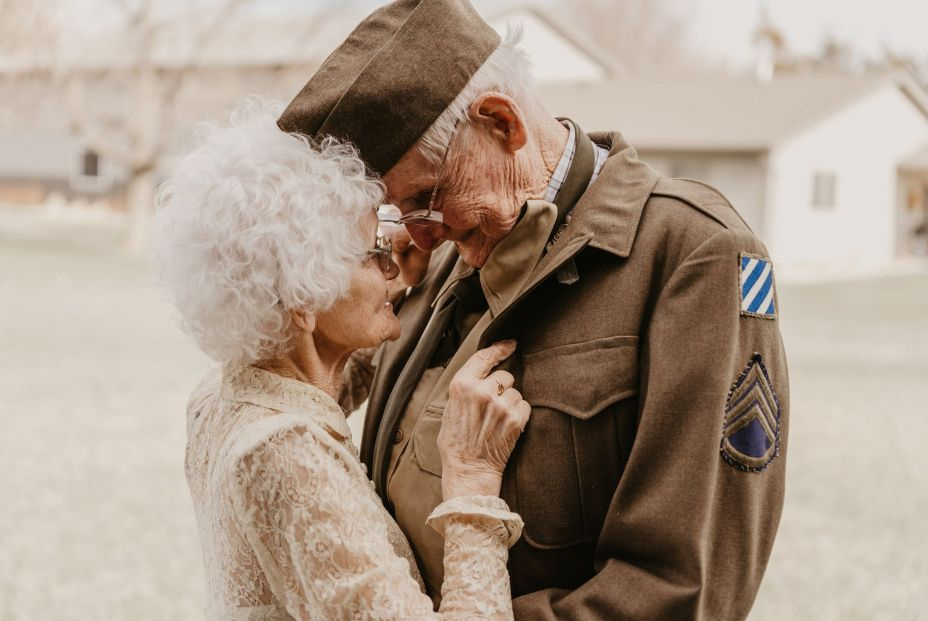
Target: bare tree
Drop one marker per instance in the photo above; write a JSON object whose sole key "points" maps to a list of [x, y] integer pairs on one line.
{"points": [[134, 136], [120, 89], [891, 60], [642, 34], [27, 45], [22, 25]]}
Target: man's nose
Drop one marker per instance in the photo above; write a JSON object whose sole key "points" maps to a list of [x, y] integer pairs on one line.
{"points": [[425, 236]]}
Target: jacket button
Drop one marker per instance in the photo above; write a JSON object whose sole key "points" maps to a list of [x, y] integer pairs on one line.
{"points": [[398, 436]]}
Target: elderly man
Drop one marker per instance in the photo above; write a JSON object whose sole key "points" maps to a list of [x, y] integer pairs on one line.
{"points": [[651, 474]]}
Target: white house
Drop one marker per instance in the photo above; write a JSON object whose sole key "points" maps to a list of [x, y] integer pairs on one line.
{"points": [[268, 52], [558, 52], [827, 169], [43, 157], [830, 170]]}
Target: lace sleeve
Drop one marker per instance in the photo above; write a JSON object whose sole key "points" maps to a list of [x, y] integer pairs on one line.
{"points": [[321, 539], [357, 378], [478, 532]]}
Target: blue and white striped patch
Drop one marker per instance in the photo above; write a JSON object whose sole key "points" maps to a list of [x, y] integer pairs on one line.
{"points": [[757, 290]]}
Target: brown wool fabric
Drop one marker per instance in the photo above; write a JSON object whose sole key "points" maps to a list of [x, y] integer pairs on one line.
{"points": [[385, 85], [632, 510]]}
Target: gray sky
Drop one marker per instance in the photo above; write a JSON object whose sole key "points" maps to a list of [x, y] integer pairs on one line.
{"points": [[725, 26], [722, 26]]}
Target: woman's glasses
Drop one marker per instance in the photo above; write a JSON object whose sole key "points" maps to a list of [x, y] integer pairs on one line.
{"points": [[383, 250]]}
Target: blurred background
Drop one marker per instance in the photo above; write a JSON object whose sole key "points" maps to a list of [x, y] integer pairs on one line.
{"points": [[810, 115]]}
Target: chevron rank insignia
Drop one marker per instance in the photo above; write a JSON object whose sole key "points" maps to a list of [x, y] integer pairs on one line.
{"points": [[751, 429], [757, 291]]}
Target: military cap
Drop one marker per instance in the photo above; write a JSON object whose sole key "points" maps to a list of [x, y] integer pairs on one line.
{"points": [[394, 75]]}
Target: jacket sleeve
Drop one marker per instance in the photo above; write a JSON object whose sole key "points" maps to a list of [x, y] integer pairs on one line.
{"points": [[691, 524]]}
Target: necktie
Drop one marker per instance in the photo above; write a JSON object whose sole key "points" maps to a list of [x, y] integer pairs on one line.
{"points": [[470, 301]]}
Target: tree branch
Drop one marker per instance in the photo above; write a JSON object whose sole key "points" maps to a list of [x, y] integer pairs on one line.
{"points": [[80, 126], [202, 40]]}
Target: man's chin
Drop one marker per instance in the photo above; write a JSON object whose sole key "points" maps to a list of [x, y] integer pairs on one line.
{"points": [[473, 251]]}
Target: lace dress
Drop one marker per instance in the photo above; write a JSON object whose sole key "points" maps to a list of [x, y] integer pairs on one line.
{"points": [[291, 528]]}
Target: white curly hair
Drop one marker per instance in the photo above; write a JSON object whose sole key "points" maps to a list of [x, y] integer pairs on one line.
{"points": [[254, 222]]}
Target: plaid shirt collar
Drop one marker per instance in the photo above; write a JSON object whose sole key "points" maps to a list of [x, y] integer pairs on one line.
{"points": [[567, 159]]}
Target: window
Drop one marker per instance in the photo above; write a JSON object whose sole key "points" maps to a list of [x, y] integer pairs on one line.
{"points": [[90, 164], [92, 173], [823, 191]]}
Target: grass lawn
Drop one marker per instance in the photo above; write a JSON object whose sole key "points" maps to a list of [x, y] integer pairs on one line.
{"points": [[95, 520]]}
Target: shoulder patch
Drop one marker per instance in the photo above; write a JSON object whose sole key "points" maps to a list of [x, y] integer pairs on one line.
{"points": [[751, 428], [757, 291]]}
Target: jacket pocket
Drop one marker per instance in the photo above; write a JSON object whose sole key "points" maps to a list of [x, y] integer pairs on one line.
{"points": [[581, 379], [567, 462], [425, 440]]}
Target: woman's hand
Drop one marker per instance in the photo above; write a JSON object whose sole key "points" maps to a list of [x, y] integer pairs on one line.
{"points": [[483, 420]]}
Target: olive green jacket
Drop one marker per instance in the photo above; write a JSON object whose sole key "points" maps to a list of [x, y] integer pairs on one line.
{"points": [[651, 474]]}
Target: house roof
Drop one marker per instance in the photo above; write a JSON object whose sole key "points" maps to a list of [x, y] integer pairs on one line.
{"points": [[605, 60], [248, 38], [244, 39], [715, 113], [918, 161]]}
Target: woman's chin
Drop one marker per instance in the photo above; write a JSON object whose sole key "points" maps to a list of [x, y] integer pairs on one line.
{"points": [[388, 324], [394, 330]]}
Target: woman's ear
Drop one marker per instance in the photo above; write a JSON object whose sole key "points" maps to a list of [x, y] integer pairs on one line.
{"points": [[304, 320], [501, 115]]}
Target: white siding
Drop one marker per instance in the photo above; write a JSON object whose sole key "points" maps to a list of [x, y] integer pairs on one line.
{"points": [[554, 58], [862, 145], [740, 177]]}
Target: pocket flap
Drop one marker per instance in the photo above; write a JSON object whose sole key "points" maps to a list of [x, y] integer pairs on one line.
{"points": [[581, 379], [425, 440]]}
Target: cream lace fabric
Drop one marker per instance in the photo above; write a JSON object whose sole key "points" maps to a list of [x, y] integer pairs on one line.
{"points": [[290, 525]]}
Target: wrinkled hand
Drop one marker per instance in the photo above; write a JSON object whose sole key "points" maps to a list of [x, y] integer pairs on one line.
{"points": [[480, 426]]}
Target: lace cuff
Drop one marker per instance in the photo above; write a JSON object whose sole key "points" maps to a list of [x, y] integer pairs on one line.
{"points": [[487, 511]]}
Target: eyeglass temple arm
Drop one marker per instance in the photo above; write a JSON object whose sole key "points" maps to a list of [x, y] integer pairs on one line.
{"points": [[412, 216]]}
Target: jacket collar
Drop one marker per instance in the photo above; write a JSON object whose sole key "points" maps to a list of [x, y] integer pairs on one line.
{"points": [[610, 210], [606, 217]]}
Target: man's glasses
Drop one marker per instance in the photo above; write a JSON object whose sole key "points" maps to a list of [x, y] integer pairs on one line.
{"points": [[425, 216], [383, 250]]}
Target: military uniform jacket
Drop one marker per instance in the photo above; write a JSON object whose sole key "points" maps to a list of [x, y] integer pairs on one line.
{"points": [[651, 474]]}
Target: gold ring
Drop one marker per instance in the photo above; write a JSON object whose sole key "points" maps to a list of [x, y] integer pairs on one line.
{"points": [[500, 389]]}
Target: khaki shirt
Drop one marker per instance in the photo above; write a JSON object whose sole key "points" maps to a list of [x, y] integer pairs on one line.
{"points": [[414, 474]]}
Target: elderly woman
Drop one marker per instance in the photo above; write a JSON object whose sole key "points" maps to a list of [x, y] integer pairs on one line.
{"points": [[269, 248]]}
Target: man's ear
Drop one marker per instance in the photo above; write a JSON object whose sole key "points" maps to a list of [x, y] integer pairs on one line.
{"points": [[304, 320], [501, 115]]}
